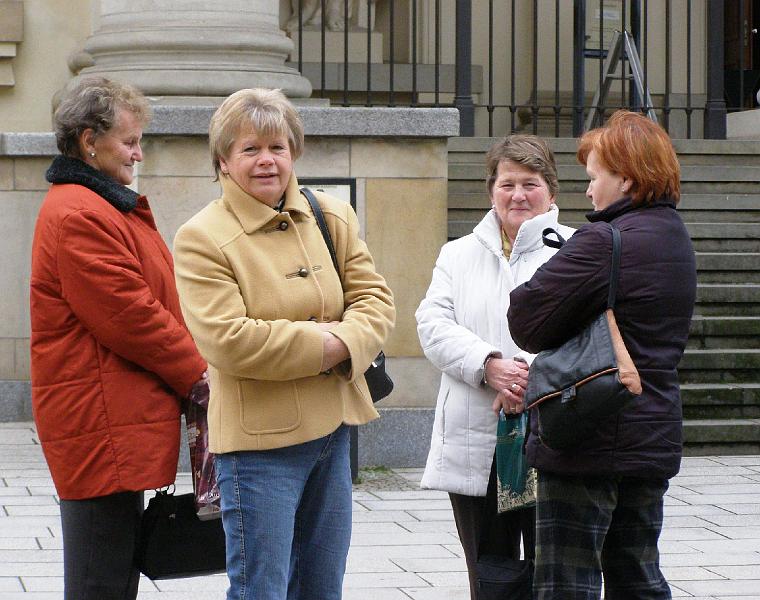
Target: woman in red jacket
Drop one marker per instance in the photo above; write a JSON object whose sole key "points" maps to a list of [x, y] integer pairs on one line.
{"points": [[111, 357]]}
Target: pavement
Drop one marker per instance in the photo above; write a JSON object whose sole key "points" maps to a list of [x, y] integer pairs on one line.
{"points": [[404, 544]]}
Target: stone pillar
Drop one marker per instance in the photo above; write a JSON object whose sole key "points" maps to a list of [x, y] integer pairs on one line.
{"points": [[191, 47]]}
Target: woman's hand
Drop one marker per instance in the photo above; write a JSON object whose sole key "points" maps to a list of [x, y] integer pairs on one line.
{"points": [[506, 374], [334, 351], [511, 402], [199, 392]]}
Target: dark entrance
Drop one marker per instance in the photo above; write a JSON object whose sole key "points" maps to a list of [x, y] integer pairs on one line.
{"points": [[742, 53]]}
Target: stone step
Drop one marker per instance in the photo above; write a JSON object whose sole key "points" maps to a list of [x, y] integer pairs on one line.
{"points": [[726, 332], [706, 237], [709, 433], [689, 151], [729, 173], [710, 207], [721, 400], [724, 365]]}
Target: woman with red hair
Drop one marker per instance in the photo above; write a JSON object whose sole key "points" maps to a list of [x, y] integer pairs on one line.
{"points": [[600, 506]]}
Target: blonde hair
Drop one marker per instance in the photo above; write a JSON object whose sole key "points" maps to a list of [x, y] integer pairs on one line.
{"points": [[267, 113], [92, 103]]}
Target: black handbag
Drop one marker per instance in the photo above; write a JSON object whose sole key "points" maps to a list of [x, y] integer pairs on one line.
{"points": [[378, 381], [175, 543], [586, 380]]}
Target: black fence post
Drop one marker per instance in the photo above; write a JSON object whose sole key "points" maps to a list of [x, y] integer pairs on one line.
{"points": [[463, 94], [579, 57], [636, 100], [715, 107]]}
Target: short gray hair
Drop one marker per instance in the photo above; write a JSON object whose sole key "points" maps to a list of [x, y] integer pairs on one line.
{"points": [[92, 103], [529, 151], [267, 113]]}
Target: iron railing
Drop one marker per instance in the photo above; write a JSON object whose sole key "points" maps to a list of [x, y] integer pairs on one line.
{"points": [[528, 65]]}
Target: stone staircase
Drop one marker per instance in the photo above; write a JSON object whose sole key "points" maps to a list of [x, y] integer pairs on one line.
{"points": [[720, 204]]}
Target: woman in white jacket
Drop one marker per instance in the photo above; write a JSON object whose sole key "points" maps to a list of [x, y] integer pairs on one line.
{"points": [[462, 325]]}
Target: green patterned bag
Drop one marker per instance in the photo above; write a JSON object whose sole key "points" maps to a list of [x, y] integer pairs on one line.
{"points": [[516, 482]]}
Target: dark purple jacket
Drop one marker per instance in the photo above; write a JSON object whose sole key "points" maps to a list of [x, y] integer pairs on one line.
{"points": [[655, 299]]}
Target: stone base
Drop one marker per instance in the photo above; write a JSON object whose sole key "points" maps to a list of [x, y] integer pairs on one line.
{"points": [[744, 125], [15, 401], [334, 41]]}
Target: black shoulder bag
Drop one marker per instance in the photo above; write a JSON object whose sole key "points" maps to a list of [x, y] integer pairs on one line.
{"points": [[587, 379], [378, 381]]}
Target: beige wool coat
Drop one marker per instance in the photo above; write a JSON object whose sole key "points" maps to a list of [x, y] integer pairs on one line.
{"points": [[253, 285]]}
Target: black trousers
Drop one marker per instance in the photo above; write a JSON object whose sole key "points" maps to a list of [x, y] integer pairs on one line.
{"points": [[99, 540], [476, 515]]}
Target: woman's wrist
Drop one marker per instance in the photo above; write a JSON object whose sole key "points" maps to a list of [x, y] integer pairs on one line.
{"points": [[485, 367]]}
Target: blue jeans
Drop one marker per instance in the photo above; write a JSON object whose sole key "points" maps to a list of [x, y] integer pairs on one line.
{"points": [[287, 519]]}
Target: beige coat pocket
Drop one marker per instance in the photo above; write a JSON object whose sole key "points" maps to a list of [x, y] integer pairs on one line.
{"points": [[268, 406]]}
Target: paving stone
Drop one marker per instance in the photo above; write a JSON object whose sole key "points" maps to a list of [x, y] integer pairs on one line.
{"points": [[381, 580], [210, 583], [373, 593], [10, 584], [407, 504], [393, 552], [431, 527], [31, 569], [690, 533], [452, 593], [375, 527], [708, 559], [386, 516], [43, 584], [30, 555], [432, 515], [722, 587], [401, 539], [373, 564], [726, 520], [431, 565], [738, 572], [415, 495], [689, 574], [450, 579]]}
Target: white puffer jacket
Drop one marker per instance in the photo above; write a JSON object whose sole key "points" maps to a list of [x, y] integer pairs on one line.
{"points": [[462, 320]]}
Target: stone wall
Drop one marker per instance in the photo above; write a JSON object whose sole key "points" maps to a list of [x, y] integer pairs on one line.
{"points": [[398, 159]]}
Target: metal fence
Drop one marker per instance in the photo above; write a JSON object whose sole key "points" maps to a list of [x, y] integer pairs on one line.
{"points": [[530, 65]]}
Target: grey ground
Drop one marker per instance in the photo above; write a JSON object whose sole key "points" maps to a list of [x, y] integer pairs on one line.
{"points": [[404, 543]]}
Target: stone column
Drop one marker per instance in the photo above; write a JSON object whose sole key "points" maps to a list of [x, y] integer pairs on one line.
{"points": [[191, 47]]}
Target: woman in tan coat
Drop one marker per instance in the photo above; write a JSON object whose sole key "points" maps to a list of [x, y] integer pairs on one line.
{"points": [[287, 340]]}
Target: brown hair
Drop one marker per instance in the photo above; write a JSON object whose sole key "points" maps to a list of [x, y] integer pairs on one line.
{"points": [[267, 112], [92, 103], [636, 148], [528, 150]]}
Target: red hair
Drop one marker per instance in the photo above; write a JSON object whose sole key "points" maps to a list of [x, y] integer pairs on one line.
{"points": [[636, 148]]}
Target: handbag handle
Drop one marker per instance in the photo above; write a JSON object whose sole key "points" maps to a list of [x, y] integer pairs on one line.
{"points": [[616, 252], [317, 210]]}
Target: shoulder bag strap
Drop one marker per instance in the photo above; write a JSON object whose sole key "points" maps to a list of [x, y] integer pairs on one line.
{"points": [[317, 210], [615, 271], [558, 243]]}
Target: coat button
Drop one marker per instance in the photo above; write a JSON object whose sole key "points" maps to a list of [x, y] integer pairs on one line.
{"points": [[283, 225], [303, 272]]}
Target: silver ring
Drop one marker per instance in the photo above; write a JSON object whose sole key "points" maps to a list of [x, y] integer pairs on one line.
{"points": [[514, 386]]}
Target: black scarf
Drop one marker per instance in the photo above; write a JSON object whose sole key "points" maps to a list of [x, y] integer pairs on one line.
{"points": [[65, 169]]}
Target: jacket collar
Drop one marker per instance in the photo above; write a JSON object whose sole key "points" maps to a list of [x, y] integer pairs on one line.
{"points": [[529, 236], [253, 214], [65, 169], [622, 206]]}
